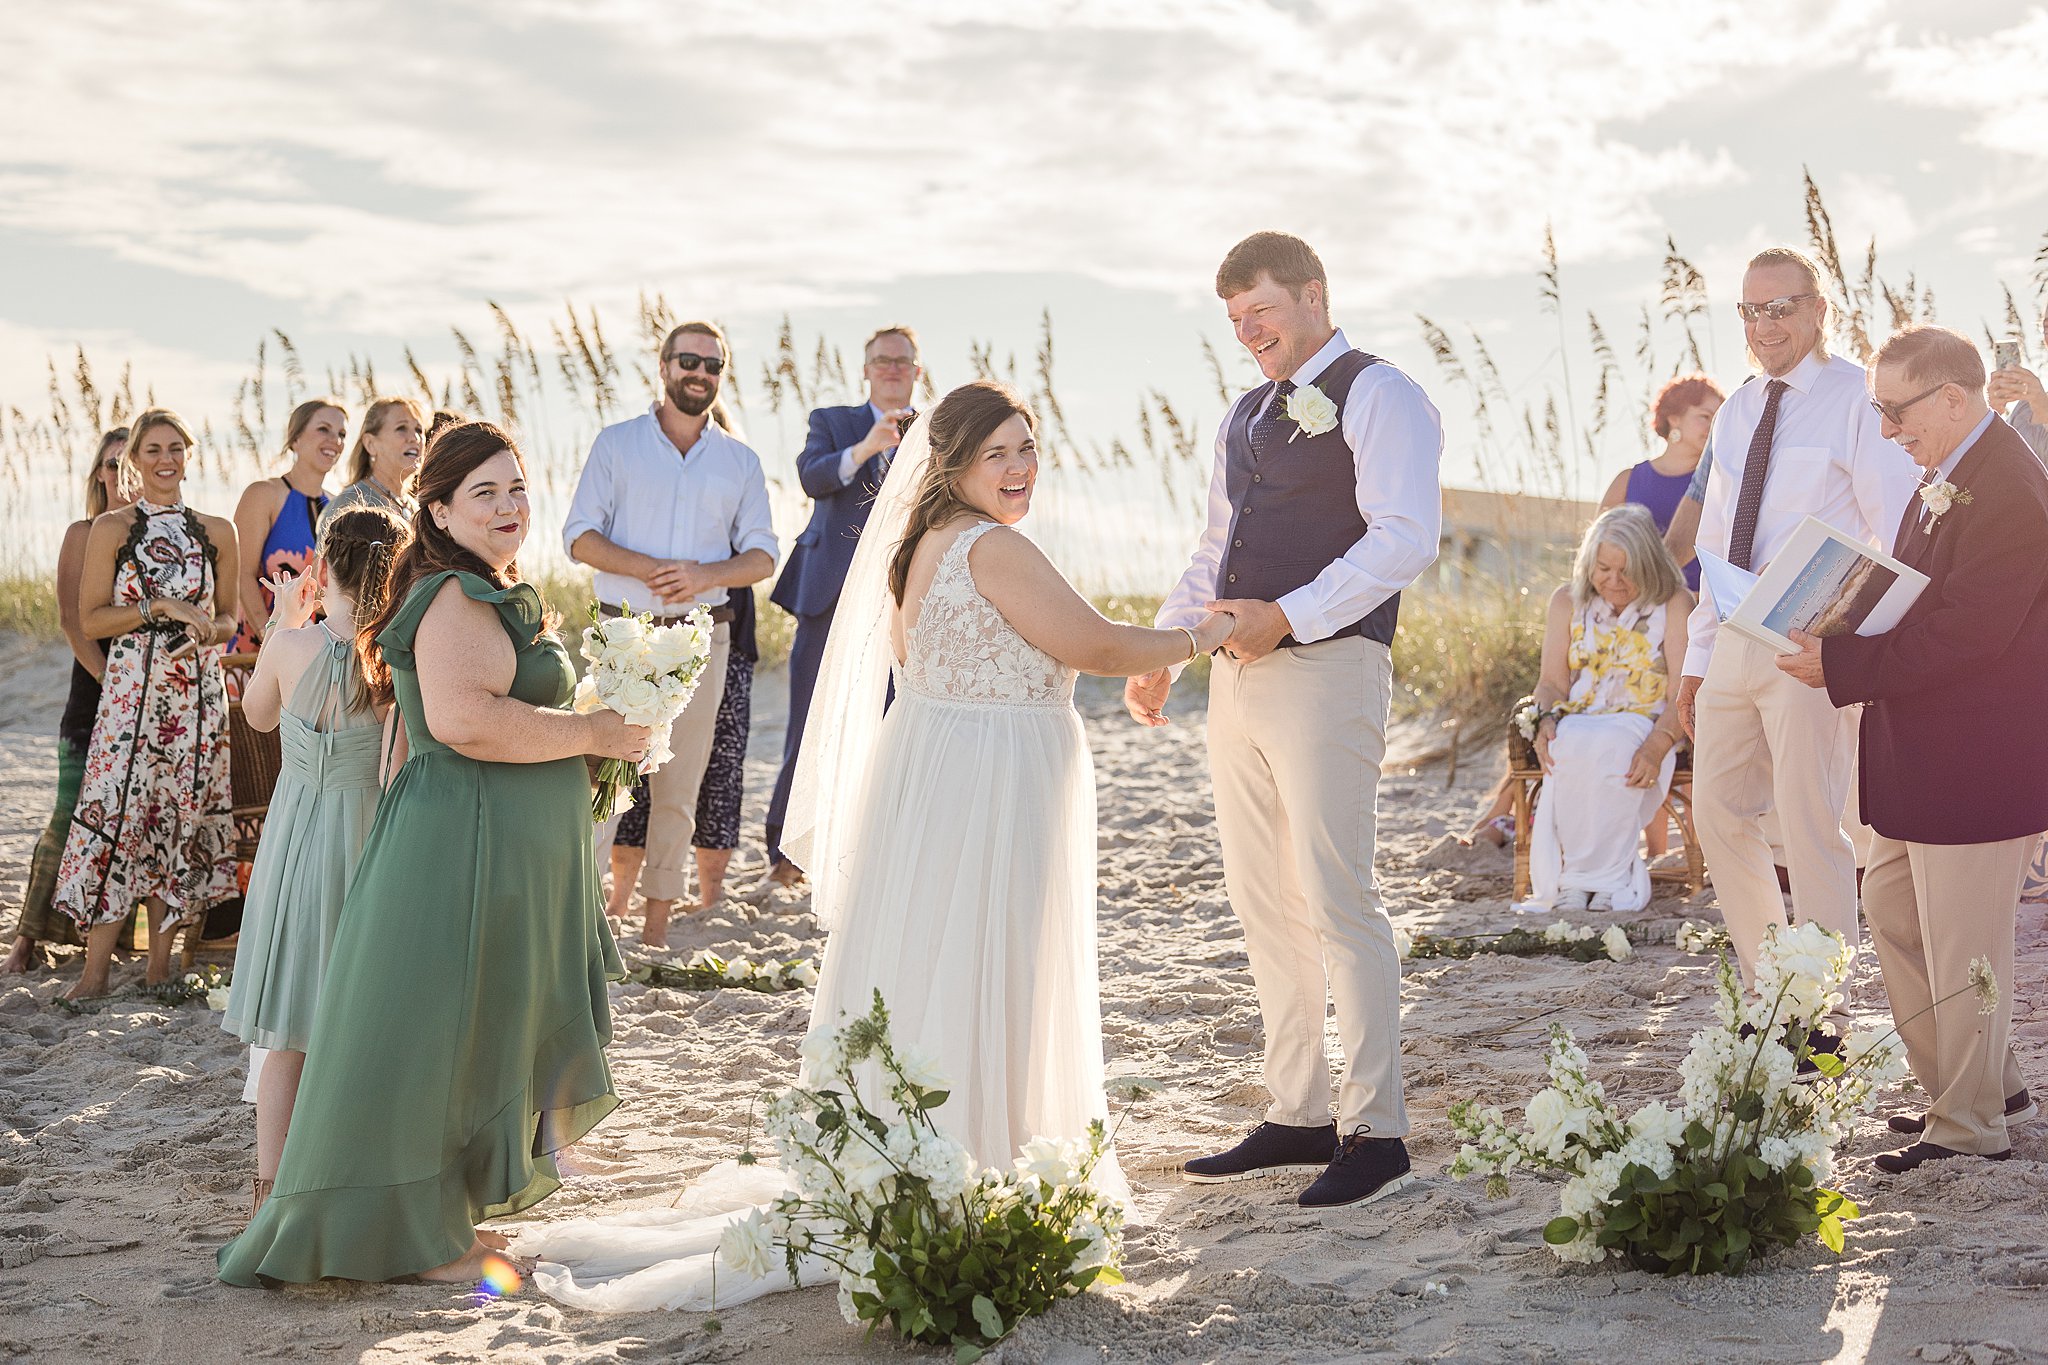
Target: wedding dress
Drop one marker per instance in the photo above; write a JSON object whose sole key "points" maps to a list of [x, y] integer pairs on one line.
{"points": [[951, 845]]}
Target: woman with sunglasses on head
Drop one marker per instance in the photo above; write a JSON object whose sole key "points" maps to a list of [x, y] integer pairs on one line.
{"points": [[153, 825], [108, 485]]}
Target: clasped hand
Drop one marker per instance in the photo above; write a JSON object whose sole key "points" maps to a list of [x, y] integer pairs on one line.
{"points": [[1145, 694], [679, 580]]}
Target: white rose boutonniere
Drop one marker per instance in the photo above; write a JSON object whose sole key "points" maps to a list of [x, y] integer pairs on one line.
{"points": [[1938, 497], [1311, 411]]}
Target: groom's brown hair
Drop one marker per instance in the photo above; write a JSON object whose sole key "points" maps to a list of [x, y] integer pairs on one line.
{"points": [[1291, 263]]}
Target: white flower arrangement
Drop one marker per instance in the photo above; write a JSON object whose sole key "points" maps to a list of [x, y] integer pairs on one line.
{"points": [[647, 673], [1701, 938], [1941, 495], [706, 971], [1738, 1169], [946, 1254], [1311, 411], [212, 985]]}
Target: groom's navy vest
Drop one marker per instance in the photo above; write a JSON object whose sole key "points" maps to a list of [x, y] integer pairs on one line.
{"points": [[1294, 512]]}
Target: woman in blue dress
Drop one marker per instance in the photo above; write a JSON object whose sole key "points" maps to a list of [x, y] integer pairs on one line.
{"points": [[282, 514], [1684, 417]]}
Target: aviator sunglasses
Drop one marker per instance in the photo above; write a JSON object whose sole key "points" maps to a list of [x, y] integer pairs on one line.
{"points": [[1777, 310]]}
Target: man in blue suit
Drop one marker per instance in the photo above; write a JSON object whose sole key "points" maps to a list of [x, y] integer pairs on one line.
{"points": [[845, 458]]}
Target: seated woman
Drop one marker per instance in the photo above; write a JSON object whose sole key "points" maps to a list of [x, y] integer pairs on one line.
{"points": [[1614, 643]]}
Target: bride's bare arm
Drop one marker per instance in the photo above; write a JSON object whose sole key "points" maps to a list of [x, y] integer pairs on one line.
{"points": [[466, 666], [1036, 599]]}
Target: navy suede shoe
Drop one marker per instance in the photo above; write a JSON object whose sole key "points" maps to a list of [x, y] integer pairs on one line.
{"points": [[1365, 1168], [2018, 1109], [1269, 1147], [1920, 1153]]}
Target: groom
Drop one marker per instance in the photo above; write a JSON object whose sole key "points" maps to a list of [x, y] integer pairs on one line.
{"points": [[1323, 506]]}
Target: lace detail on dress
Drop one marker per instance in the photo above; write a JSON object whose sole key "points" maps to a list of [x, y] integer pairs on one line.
{"points": [[961, 648]]}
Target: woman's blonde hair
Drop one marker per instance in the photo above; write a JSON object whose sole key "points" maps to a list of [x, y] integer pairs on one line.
{"points": [[96, 499], [963, 420], [380, 413], [1630, 529], [302, 417]]}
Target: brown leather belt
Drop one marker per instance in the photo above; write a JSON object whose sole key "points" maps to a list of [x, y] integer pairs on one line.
{"points": [[720, 615]]}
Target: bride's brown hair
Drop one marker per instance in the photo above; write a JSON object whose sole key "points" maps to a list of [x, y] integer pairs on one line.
{"points": [[964, 419]]}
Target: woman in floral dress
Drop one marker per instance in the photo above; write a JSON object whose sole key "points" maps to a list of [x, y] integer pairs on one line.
{"points": [[153, 824], [1614, 642]]}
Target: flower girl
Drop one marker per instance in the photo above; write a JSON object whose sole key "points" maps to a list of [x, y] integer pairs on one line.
{"points": [[307, 685]]}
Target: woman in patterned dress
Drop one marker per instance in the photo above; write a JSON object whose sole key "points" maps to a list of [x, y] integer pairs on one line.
{"points": [[1615, 640], [282, 515], [152, 825]]}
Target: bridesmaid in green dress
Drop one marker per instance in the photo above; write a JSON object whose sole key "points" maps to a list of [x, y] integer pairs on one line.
{"points": [[459, 1039], [308, 688]]}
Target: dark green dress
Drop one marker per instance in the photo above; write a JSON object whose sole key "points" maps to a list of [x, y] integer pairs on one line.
{"points": [[459, 1040]]}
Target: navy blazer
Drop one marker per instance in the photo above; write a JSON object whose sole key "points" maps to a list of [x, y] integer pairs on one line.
{"points": [[1955, 738], [818, 562]]}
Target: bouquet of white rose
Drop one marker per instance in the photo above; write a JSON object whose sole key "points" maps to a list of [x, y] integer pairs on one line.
{"points": [[947, 1255], [707, 971], [647, 673], [1738, 1169]]}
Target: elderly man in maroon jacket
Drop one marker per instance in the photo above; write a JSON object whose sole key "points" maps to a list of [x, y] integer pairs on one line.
{"points": [[1955, 739]]}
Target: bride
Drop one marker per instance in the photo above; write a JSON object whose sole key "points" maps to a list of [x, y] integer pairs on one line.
{"points": [[950, 841]]}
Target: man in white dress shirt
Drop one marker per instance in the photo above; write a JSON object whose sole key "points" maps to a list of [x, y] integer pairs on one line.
{"points": [[1323, 506], [672, 511], [1797, 440]]}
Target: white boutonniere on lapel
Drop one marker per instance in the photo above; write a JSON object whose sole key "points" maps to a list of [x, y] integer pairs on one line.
{"points": [[1311, 411], [1938, 497]]}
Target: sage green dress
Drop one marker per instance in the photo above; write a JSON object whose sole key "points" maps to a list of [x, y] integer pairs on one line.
{"points": [[459, 1040], [320, 813]]}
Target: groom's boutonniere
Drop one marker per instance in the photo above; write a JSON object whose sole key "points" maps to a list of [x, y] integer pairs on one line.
{"points": [[1939, 496], [1311, 411]]}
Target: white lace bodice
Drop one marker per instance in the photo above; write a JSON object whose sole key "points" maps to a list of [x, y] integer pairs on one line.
{"points": [[961, 649]]}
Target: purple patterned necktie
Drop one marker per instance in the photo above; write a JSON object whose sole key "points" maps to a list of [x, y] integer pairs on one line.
{"points": [[1755, 469], [1265, 425]]}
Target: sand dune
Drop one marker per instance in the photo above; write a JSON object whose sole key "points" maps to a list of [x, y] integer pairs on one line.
{"points": [[125, 1154]]}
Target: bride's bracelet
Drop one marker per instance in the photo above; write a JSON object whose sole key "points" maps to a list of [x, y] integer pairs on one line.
{"points": [[1194, 645]]}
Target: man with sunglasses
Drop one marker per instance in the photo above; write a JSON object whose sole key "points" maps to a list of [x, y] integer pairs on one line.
{"points": [[1797, 440], [845, 458], [672, 511], [1953, 746]]}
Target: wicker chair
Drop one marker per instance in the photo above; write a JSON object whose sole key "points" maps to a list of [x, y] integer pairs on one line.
{"points": [[1525, 776], [253, 760]]}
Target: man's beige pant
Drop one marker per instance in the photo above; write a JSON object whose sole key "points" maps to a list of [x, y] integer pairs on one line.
{"points": [[1933, 908], [672, 812], [1295, 743], [1767, 741]]}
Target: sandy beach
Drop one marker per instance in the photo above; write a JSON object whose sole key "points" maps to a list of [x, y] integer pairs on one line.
{"points": [[126, 1153]]}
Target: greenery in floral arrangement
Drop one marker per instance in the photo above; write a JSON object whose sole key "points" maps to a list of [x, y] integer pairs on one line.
{"points": [[1701, 938], [710, 972], [1739, 1169], [920, 1240], [209, 984], [1579, 942]]}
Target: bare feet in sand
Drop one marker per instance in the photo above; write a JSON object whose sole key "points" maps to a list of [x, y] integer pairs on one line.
{"points": [[91, 984], [654, 929], [23, 959], [786, 875], [469, 1268]]}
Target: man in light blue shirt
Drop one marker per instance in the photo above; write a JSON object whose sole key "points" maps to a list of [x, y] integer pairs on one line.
{"points": [[672, 512]]}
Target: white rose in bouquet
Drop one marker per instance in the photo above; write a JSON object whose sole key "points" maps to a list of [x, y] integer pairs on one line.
{"points": [[646, 673], [747, 1245]]}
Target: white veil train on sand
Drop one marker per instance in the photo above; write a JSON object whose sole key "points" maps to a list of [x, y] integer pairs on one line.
{"points": [[667, 1257], [845, 719]]}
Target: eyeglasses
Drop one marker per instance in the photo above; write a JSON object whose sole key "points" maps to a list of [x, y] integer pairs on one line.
{"points": [[893, 362], [1777, 310], [1895, 413], [688, 363]]}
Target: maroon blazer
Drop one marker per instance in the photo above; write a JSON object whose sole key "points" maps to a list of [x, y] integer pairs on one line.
{"points": [[1955, 738]]}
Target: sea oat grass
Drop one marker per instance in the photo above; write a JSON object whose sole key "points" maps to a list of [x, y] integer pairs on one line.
{"points": [[28, 605]]}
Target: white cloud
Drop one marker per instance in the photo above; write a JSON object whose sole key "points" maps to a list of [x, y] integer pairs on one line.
{"points": [[381, 163], [2000, 78]]}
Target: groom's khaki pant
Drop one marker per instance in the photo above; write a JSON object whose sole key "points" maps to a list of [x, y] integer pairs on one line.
{"points": [[1767, 741], [1295, 743]]}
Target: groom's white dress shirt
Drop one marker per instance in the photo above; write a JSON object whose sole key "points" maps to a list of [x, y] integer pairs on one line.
{"points": [[1397, 440], [1829, 459]]}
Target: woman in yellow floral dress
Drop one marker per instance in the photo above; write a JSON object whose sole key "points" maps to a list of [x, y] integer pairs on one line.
{"points": [[1614, 641]]}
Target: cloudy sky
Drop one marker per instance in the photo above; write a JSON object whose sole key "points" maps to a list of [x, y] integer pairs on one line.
{"points": [[178, 177]]}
